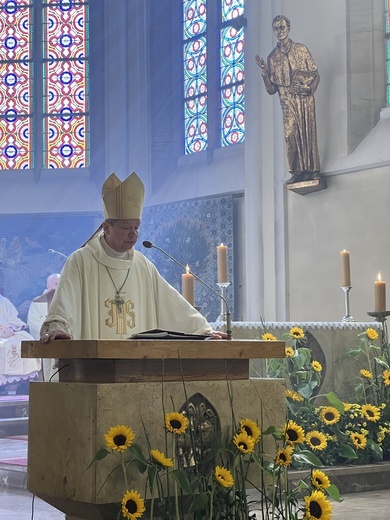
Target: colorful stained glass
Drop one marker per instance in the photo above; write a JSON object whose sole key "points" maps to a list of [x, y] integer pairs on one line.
{"points": [[195, 76], [15, 85], [66, 142], [194, 18], [231, 9], [232, 86]]}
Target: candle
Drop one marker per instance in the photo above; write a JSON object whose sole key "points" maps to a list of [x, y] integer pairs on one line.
{"points": [[380, 294], [222, 264], [187, 286], [345, 269]]}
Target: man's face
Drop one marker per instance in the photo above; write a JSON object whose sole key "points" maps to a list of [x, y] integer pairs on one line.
{"points": [[281, 29], [123, 235]]}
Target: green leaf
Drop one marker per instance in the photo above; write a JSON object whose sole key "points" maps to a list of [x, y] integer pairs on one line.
{"points": [[269, 431], [100, 455], [375, 449], [136, 452], [382, 362], [333, 492], [305, 390], [334, 401], [307, 457], [198, 502], [347, 452], [181, 479], [354, 351]]}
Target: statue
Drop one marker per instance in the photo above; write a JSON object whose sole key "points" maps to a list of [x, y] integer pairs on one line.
{"points": [[291, 71]]}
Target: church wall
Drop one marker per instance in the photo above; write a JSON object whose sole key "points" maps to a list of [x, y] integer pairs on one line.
{"points": [[352, 214]]}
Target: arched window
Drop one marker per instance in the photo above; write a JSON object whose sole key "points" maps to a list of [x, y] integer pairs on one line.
{"points": [[44, 118], [213, 58]]}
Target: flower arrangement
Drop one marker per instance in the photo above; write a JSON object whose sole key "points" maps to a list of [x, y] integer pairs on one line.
{"points": [[229, 478], [337, 432]]}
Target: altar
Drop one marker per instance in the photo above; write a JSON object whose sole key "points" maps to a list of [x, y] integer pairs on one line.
{"points": [[134, 382], [329, 342]]}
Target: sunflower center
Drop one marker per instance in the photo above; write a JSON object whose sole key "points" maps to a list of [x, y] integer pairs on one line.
{"points": [[370, 413], [358, 440], [315, 441], [329, 416], [248, 431], [176, 425], [243, 445], [319, 481], [119, 440], [292, 435], [131, 506], [283, 457], [315, 509]]}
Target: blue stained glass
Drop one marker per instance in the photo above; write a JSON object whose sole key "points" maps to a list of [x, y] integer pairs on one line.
{"points": [[196, 131], [231, 9], [194, 18]]}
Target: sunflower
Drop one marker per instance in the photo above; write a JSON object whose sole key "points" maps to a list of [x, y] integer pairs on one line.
{"points": [[316, 366], [317, 507], [347, 407], [268, 337], [359, 440], [224, 477], [329, 415], [371, 413], [133, 505], [119, 438], [243, 442], [176, 422], [386, 377], [366, 373], [251, 429], [316, 440], [294, 433], [319, 479], [371, 333], [161, 459], [289, 351], [283, 457], [295, 396], [297, 333]]}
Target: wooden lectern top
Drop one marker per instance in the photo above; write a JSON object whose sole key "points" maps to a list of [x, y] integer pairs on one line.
{"points": [[106, 361]]}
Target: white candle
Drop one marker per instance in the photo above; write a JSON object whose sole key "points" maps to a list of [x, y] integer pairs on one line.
{"points": [[345, 269], [188, 286], [222, 264], [380, 294]]}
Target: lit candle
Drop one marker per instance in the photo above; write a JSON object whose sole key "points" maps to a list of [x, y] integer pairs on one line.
{"points": [[345, 269], [188, 286], [222, 264], [380, 294]]}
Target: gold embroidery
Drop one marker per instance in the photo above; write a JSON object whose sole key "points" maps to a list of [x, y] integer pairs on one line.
{"points": [[119, 319]]}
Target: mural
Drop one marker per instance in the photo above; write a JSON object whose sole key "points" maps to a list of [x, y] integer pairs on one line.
{"points": [[190, 231]]}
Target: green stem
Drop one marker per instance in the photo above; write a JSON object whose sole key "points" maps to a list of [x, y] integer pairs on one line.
{"points": [[176, 488], [124, 470]]}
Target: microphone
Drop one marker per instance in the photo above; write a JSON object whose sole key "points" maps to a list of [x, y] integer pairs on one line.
{"points": [[54, 252], [149, 245]]}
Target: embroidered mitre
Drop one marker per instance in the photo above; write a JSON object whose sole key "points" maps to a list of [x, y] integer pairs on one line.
{"points": [[123, 200]]}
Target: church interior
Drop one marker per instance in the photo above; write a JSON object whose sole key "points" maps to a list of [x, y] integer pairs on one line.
{"points": [[208, 142]]}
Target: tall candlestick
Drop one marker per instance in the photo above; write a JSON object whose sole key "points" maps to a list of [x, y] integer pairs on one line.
{"points": [[222, 264], [380, 294], [188, 286], [345, 269]]}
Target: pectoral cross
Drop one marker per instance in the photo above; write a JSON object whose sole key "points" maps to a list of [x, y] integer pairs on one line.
{"points": [[119, 302]]}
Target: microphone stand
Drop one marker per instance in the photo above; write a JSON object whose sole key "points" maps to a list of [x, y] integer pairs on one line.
{"points": [[149, 245]]}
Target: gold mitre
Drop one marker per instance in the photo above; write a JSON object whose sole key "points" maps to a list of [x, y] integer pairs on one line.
{"points": [[123, 200]]}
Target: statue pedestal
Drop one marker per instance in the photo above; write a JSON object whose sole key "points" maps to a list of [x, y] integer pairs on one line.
{"points": [[68, 419]]}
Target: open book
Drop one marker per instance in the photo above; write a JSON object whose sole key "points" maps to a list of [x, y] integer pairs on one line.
{"points": [[167, 334]]}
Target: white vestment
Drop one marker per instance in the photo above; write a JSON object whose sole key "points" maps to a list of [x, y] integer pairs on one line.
{"points": [[13, 367], [84, 298]]}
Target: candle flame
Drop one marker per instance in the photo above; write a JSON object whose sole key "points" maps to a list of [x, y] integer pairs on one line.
{"points": [[379, 277], [221, 243], [187, 269]]}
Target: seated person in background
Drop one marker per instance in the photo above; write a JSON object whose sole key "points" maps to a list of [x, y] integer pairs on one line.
{"points": [[108, 290], [36, 316], [14, 368]]}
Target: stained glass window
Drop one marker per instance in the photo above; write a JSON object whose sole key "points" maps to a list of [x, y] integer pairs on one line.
{"points": [[16, 77], [387, 43], [232, 74], [44, 84], [195, 75], [66, 143], [213, 60]]}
